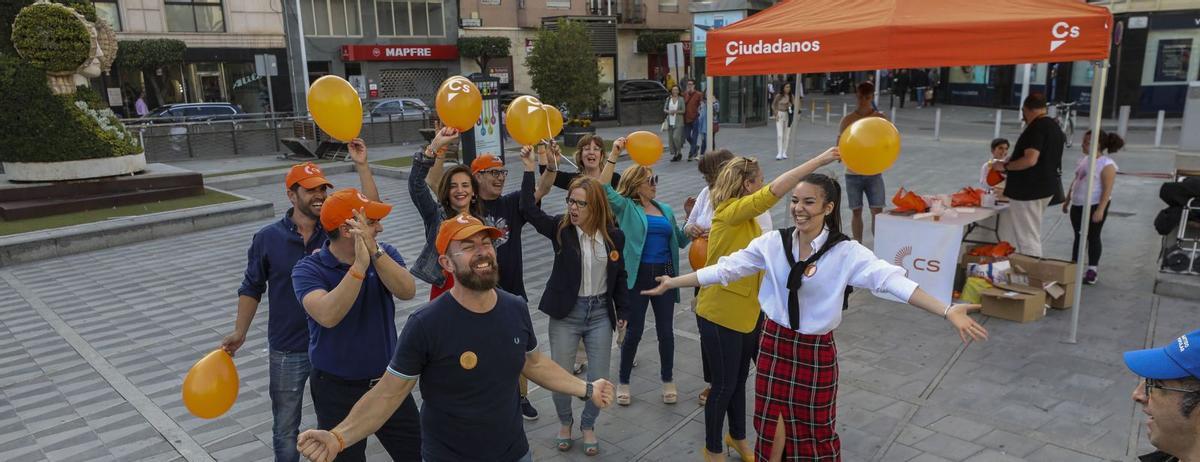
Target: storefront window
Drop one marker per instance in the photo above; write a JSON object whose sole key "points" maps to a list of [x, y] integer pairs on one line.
{"points": [[331, 18], [1169, 57], [194, 16], [968, 74], [410, 18], [109, 12], [205, 83], [607, 98], [248, 89]]}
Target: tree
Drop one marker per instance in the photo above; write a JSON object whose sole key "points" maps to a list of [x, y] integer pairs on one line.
{"points": [[483, 49], [656, 41], [563, 68], [147, 57]]}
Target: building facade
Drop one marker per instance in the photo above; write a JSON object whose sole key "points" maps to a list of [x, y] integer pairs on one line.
{"points": [[384, 48], [742, 99], [222, 37], [614, 26]]}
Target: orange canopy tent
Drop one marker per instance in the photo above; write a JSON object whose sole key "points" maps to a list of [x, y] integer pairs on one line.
{"points": [[804, 36], [807, 36]]}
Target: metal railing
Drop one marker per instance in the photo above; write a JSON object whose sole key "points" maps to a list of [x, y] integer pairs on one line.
{"points": [[257, 135]]}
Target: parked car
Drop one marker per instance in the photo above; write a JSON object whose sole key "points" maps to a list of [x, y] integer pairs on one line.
{"points": [[397, 109], [193, 112], [642, 90]]}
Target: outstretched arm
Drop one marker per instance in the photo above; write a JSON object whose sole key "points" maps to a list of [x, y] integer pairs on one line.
{"points": [[368, 415]]}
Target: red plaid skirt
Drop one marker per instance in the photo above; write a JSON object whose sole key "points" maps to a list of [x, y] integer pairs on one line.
{"points": [[797, 379]]}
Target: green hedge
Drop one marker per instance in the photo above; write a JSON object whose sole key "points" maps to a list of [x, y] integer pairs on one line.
{"points": [[51, 37], [39, 126], [149, 54]]}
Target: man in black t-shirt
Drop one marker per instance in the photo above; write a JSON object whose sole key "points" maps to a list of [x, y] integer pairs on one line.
{"points": [[466, 348], [1033, 177]]}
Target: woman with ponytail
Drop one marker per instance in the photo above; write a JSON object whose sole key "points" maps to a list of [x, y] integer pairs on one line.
{"points": [[727, 317], [804, 272], [1077, 197]]}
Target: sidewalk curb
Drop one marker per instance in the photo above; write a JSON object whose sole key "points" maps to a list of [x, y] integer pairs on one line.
{"points": [[39, 245], [250, 180]]}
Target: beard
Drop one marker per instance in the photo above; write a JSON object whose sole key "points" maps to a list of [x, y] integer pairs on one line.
{"points": [[475, 281], [310, 211]]}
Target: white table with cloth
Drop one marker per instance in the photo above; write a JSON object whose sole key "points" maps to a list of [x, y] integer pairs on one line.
{"points": [[928, 249]]}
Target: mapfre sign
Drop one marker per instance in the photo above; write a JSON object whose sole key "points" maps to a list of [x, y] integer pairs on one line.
{"points": [[399, 52]]}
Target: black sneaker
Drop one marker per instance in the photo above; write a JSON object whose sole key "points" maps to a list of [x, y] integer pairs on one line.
{"points": [[1090, 277], [527, 409]]}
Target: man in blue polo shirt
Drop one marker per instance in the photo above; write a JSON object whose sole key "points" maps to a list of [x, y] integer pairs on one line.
{"points": [[467, 347], [347, 288], [1169, 393], [273, 252]]}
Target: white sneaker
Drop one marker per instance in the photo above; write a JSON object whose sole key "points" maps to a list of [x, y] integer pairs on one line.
{"points": [[778, 156]]}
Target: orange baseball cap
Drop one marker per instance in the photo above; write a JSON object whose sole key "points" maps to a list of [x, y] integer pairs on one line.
{"points": [[308, 174], [459, 228], [485, 162], [340, 206]]}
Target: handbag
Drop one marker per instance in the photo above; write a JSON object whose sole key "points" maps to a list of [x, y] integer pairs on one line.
{"points": [[665, 126], [1058, 197]]}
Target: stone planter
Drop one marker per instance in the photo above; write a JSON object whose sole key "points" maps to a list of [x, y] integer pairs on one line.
{"points": [[572, 134], [75, 169]]}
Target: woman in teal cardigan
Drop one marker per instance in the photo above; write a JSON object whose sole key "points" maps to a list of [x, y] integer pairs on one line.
{"points": [[652, 243]]}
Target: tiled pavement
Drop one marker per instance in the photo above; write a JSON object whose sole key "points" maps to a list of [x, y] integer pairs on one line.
{"points": [[93, 347]]}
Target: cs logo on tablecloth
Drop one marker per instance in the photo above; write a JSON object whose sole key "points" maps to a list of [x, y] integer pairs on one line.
{"points": [[919, 264]]}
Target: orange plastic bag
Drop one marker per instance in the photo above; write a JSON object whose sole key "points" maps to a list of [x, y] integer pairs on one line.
{"points": [[908, 201], [968, 197], [998, 250], [994, 178]]}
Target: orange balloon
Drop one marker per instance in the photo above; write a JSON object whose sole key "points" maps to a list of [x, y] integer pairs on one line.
{"points": [[644, 147], [698, 253], [526, 120], [459, 103], [211, 386], [870, 146], [555, 120], [335, 107]]}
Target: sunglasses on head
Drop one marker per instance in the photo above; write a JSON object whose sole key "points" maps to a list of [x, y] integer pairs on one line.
{"points": [[653, 180]]}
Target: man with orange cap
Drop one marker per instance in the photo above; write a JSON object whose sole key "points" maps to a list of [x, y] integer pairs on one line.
{"points": [[347, 289], [273, 252], [466, 348]]}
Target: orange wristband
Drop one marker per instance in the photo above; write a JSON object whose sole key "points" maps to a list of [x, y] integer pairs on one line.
{"points": [[356, 275], [341, 442]]}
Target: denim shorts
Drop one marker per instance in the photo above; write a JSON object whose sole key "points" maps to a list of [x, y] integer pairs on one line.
{"points": [[871, 185]]}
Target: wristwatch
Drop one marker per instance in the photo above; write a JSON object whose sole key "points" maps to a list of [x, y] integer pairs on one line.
{"points": [[378, 253], [587, 396]]}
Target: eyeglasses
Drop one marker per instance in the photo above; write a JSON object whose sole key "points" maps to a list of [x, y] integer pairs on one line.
{"points": [[497, 173], [653, 180], [1147, 384], [580, 204]]}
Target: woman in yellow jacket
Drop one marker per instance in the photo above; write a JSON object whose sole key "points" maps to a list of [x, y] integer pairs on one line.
{"points": [[728, 315]]}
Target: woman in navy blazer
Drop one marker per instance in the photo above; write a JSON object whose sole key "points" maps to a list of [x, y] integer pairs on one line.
{"points": [[586, 288]]}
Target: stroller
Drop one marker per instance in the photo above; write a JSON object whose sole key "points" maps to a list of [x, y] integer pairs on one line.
{"points": [[1181, 248]]}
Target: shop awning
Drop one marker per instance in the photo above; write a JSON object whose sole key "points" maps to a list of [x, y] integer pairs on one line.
{"points": [[805, 36]]}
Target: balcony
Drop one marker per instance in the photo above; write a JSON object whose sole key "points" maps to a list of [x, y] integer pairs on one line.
{"points": [[626, 11]]}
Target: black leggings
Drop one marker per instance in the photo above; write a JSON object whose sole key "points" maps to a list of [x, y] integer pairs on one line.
{"points": [[1093, 238]]}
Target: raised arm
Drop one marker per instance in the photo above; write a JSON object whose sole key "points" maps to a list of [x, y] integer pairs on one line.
{"points": [[786, 182], [610, 164], [358, 153], [437, 152], [542, 222]]}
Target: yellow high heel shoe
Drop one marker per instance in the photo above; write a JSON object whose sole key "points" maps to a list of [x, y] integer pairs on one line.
{"points": [[745, 457]]}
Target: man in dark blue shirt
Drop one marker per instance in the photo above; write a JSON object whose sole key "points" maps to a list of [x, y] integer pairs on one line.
{"points": [[347, 291], [466, 347], [273, 252]]}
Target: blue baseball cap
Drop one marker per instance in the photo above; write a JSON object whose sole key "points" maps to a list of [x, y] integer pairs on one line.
{"points": [[1174, 361]]}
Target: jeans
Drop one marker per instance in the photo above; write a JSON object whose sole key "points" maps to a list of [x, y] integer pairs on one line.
{"points": [[1093, 238], [691, 131], [333, 399], [728, 354], [664, 308], [288, 372], [589, 321], [871, 185]]}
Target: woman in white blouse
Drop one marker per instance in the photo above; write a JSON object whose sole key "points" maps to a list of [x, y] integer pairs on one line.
{"points": [[796, 383]]}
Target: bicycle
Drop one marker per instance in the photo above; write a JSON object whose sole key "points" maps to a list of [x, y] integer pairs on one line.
{"points": [[1064, 115]]}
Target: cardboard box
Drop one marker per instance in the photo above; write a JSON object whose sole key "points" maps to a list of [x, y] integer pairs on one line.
{"points": [[1043, 269], [1015, 302], [1058, 296]]}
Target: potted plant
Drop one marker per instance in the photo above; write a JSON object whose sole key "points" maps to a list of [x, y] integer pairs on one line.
{"points": [[564, 72]]}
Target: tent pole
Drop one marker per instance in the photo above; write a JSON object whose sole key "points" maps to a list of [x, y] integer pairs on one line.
{"points": [[1099, 79], [1024, 87], [877, 85], [711, 138]]}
